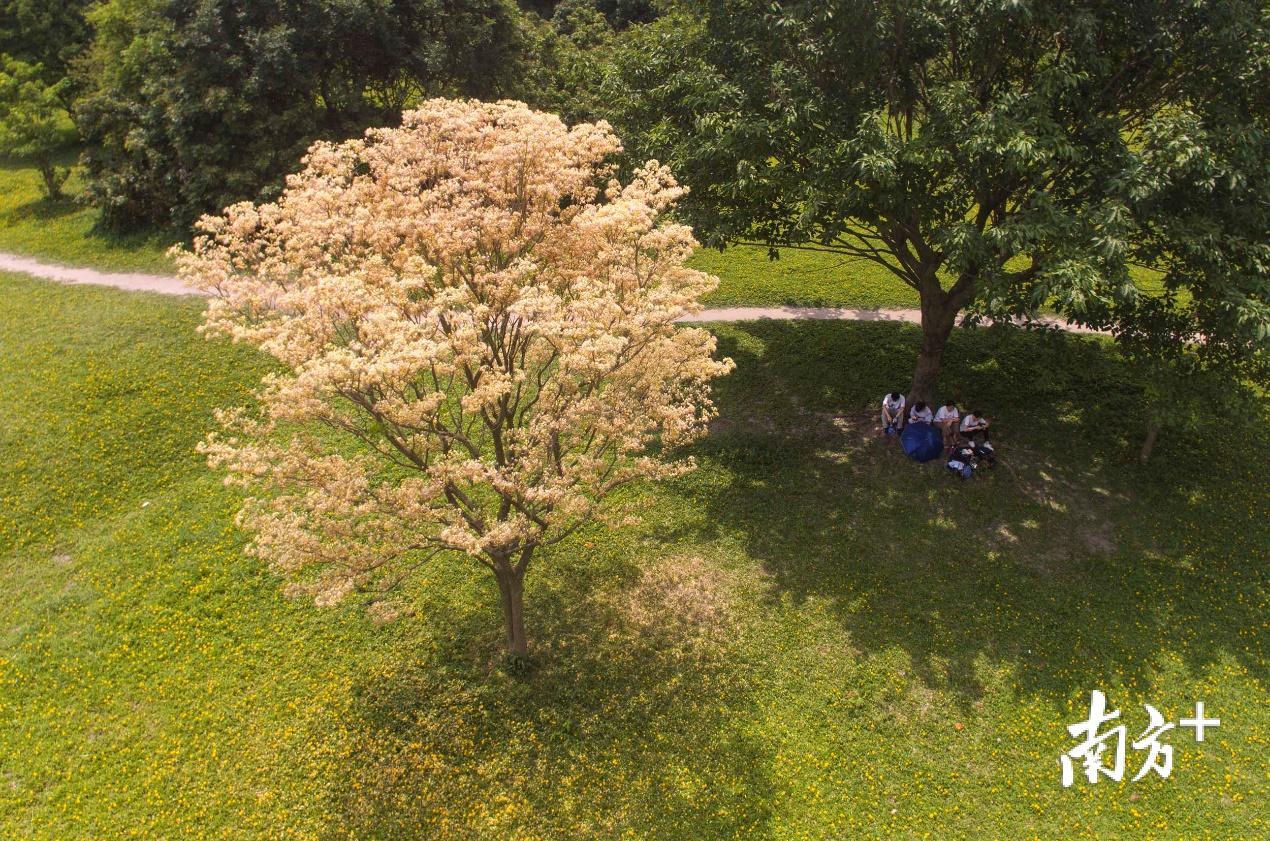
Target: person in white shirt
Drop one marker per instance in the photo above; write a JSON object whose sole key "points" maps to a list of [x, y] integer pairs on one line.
{"points": [[892, 412], [920, 413], [947, 419], [974, 424]]}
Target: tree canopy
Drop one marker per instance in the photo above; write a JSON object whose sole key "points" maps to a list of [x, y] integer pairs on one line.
{"points": [[33, 120], [477, 341], [1105, 159], [50, 33], [193, 104]]}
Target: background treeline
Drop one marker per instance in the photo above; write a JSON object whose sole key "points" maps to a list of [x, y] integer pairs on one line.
{"points": [[183, 106], [1106, 161]]}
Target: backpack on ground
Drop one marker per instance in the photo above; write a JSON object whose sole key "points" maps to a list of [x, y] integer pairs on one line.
{"points": [[962, 461]]}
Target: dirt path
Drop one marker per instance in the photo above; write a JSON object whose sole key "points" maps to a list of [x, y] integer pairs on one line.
{"points": [[787, 313], [169, 285], [133, 282]]}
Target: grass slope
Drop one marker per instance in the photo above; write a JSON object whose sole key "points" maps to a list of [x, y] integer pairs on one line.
{"points": [[62, 231], [809, 637]]}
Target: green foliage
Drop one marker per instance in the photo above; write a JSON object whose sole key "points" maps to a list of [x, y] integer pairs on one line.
{"points": [[582, 23], [566, 60], [32, 119], [810, 636], [623, 13], [618, 13], [193, 104], [1187, 373], [991, 155], [50, 33]]}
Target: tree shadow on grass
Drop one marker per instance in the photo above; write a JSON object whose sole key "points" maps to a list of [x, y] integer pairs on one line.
{"points": [[1068, 569], [1068, 560], [45, 209], [618, 729]]}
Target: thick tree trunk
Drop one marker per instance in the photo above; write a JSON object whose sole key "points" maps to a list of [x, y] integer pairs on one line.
{"points": [[1148, 445], [511, 588], [939, 316]]}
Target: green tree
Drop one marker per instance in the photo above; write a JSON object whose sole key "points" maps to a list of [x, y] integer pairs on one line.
{"points": [[567, 58], [622, 13], [45, 32], [997, 157], [33, 120], [193, 104], [618, 13]]}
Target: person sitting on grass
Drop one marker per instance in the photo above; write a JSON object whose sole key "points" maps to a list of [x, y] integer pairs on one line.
{"points": [[947, 419], [920, 413], [974, 425], [892, 413]]}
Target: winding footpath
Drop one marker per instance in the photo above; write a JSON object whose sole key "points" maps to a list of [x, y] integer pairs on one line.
{"points": [[171, 285]]}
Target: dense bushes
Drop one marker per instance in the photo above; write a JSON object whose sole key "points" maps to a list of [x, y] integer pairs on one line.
{"points": [[45, 32], [192, 104], [183, 106]]}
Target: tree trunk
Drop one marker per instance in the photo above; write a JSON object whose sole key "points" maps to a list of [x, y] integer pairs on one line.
{"points": [[52, 187], [511, 588], [1153, 431], [938, 318]]}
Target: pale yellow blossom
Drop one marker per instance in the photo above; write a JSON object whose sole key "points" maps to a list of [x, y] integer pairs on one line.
{"points": [[475, 324]]}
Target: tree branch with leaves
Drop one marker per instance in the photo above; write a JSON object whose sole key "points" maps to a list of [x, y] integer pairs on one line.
{"points": [[997, 157]]}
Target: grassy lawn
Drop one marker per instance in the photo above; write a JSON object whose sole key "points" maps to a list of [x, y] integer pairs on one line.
{"points": [[810, 637], [62, 231], [748, 277]]}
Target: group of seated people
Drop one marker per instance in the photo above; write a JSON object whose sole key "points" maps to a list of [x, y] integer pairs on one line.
{"points": [[965, 436]]}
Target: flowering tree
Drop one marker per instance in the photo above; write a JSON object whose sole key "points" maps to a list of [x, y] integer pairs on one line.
{"points": [[475, 331]]}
